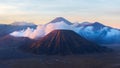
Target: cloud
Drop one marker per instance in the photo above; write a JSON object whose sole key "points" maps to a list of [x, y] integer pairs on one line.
{"points": [[5, 8], [37, 33], [33, 10], [43, 30], [55, 26], [46, 6], [88, 32], [22, 33]]}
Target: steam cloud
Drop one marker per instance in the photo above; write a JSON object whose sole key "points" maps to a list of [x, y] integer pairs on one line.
{"points": [[87, 32], [43, 30]]}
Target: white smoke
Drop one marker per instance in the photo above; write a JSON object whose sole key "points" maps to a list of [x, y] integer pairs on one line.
{"points": [[43, 30], [22, 33], [38, 32], [58, 26], [17, 33]]}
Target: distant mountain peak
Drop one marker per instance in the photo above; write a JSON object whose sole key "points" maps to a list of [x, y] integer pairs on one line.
{"points": [[85, 23], [61, 19], [98, 24]]}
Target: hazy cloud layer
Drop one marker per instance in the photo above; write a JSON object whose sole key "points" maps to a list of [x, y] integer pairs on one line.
{"points": [[43, 30], [106, 11], [58, 6]]}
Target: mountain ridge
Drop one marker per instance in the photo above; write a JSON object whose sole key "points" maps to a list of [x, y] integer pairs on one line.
{"points": [[64, 42], [60, 19]]}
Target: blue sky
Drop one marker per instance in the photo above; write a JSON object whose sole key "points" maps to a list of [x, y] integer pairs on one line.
{"points": [[41, 11]]}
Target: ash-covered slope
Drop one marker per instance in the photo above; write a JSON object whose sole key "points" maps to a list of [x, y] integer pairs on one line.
{"points": [[64, 42]]}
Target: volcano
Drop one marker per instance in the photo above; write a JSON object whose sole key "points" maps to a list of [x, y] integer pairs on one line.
{"points": [[64, 42], [61, 19]]}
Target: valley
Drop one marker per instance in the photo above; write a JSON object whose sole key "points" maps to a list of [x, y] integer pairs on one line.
{"points": [[13, 58], [59, 44]]}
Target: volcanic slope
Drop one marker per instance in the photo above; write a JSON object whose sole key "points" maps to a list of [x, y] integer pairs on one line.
{"points": [[61, 19], [64, 42]]}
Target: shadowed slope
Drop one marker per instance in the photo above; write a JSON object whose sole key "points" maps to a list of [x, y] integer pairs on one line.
{"points": [[64, 42], [14, 42]]}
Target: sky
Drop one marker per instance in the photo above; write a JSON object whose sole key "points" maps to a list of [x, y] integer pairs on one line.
{"points": [[43, 11]]}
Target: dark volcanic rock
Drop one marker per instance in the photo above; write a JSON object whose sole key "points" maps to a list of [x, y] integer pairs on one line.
{"points": [[64, 42]]}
